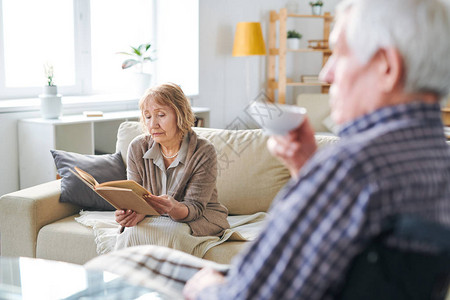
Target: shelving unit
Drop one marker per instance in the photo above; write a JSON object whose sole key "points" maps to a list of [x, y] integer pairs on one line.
{"points": [[281, 52]]}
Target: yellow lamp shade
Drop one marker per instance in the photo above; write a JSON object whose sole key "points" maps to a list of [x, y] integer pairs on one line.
{"points": [[248, 39]]}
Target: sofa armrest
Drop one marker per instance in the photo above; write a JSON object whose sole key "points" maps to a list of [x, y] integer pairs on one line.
{"points": [[25, 212]]}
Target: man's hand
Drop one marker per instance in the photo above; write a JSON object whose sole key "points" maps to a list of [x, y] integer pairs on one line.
{"points": [[202, 279], [128, 218], [294, 149]]}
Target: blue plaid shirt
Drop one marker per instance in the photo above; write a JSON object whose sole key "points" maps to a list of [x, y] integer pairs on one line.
{"points": [[392, 161]]}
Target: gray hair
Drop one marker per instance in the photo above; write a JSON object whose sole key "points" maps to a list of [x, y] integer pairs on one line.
{"points": [[418, 29]]}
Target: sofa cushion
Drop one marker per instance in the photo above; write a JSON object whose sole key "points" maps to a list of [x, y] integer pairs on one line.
{"points": [[103, 168], [318, 109], [248, 176], [58, 240], [125, 134]]}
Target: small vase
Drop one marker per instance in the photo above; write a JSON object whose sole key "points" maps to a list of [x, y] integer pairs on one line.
{"points": [[293, 43], [51, 105], [316, 10]]}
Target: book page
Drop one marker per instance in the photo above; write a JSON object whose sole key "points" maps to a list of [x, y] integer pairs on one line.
{"points": [[86, 176], [83, 179], [121, 194], [126, 184], [125, 199]]}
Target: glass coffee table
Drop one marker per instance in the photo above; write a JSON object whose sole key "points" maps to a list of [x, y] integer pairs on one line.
{"points": [[30, 278]]}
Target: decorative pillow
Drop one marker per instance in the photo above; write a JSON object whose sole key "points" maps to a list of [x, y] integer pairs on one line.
{"points": [[103, 168]]}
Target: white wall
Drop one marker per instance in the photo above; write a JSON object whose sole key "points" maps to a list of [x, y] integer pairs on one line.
{"points": [[223, 77]]}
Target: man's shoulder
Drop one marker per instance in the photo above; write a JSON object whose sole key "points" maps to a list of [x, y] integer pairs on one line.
{"points": [[372, 150], [350, 152]]}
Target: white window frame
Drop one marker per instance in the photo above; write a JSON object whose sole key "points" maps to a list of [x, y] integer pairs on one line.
{"points": [[82, 36], [82, 53]]}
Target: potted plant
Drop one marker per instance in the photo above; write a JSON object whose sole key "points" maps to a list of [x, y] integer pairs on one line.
{"points": [[316, 7], [293, 39], [139, 56], [51, 106]]}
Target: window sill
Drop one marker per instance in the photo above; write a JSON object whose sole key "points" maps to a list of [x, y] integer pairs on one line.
{"points": [[72, 103]]}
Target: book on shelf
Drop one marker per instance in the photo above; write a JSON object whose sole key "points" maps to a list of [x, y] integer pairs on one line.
{"points": [[310, 79], [199, 122], [121, 194], [93, 113], [318, 44]]}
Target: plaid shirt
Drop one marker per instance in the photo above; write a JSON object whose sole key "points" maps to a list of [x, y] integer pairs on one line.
{"points": [[393, 161]]}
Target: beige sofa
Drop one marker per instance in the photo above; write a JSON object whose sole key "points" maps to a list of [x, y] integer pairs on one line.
{"points": [[318, 111], [34, 223]]}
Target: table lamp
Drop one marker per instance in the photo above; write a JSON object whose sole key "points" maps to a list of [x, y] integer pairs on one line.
{"points": [[248, 40]]}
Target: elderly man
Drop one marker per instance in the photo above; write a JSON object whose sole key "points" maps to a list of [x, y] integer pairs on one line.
{"points": [[389, 69]]}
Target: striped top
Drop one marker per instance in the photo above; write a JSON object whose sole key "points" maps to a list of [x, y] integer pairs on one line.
{"points": [[392, 161]]}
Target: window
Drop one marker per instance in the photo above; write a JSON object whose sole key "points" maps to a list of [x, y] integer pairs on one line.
{"points": [[177, 43], [81, 38]]}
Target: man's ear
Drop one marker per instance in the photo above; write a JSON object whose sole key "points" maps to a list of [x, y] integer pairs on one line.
{"points": [[390, 68]]}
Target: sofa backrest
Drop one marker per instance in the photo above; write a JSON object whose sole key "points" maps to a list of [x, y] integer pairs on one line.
{"points": [[249, 177], [317, 108]]}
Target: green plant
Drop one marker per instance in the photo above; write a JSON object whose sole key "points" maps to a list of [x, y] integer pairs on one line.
{"points": [[292, 34], [316, 3], [48, 70], [140, 54]]}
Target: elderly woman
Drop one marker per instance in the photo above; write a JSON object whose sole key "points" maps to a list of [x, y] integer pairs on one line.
{"points": [[178, 167]]}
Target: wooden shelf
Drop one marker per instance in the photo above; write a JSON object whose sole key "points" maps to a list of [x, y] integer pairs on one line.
{"points": [[276, 51], [274, 84], [310, 16], [278, 37], [304, 50], [307, 84]]}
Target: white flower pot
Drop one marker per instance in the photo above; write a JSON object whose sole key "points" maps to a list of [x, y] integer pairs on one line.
{"points": [[50, 90], [141, 82], [51, 105], [317, 10], [293, 43]]}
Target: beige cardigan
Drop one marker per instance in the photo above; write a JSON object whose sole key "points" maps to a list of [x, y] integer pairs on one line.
{"points": [[197, 188]]}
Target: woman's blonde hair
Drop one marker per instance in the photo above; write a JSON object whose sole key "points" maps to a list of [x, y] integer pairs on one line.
{"points": [[171, 95]]}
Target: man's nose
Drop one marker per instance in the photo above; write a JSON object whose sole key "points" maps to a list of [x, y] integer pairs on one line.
{"points": [[327, 72]]}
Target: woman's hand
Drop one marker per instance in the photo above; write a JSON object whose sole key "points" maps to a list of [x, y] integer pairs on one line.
{"points": [[201, 280], [128, 218], [294, 149], [166, 204]]}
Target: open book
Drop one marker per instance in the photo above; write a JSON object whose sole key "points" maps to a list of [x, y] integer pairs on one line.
{"points": [[121, 194]]}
